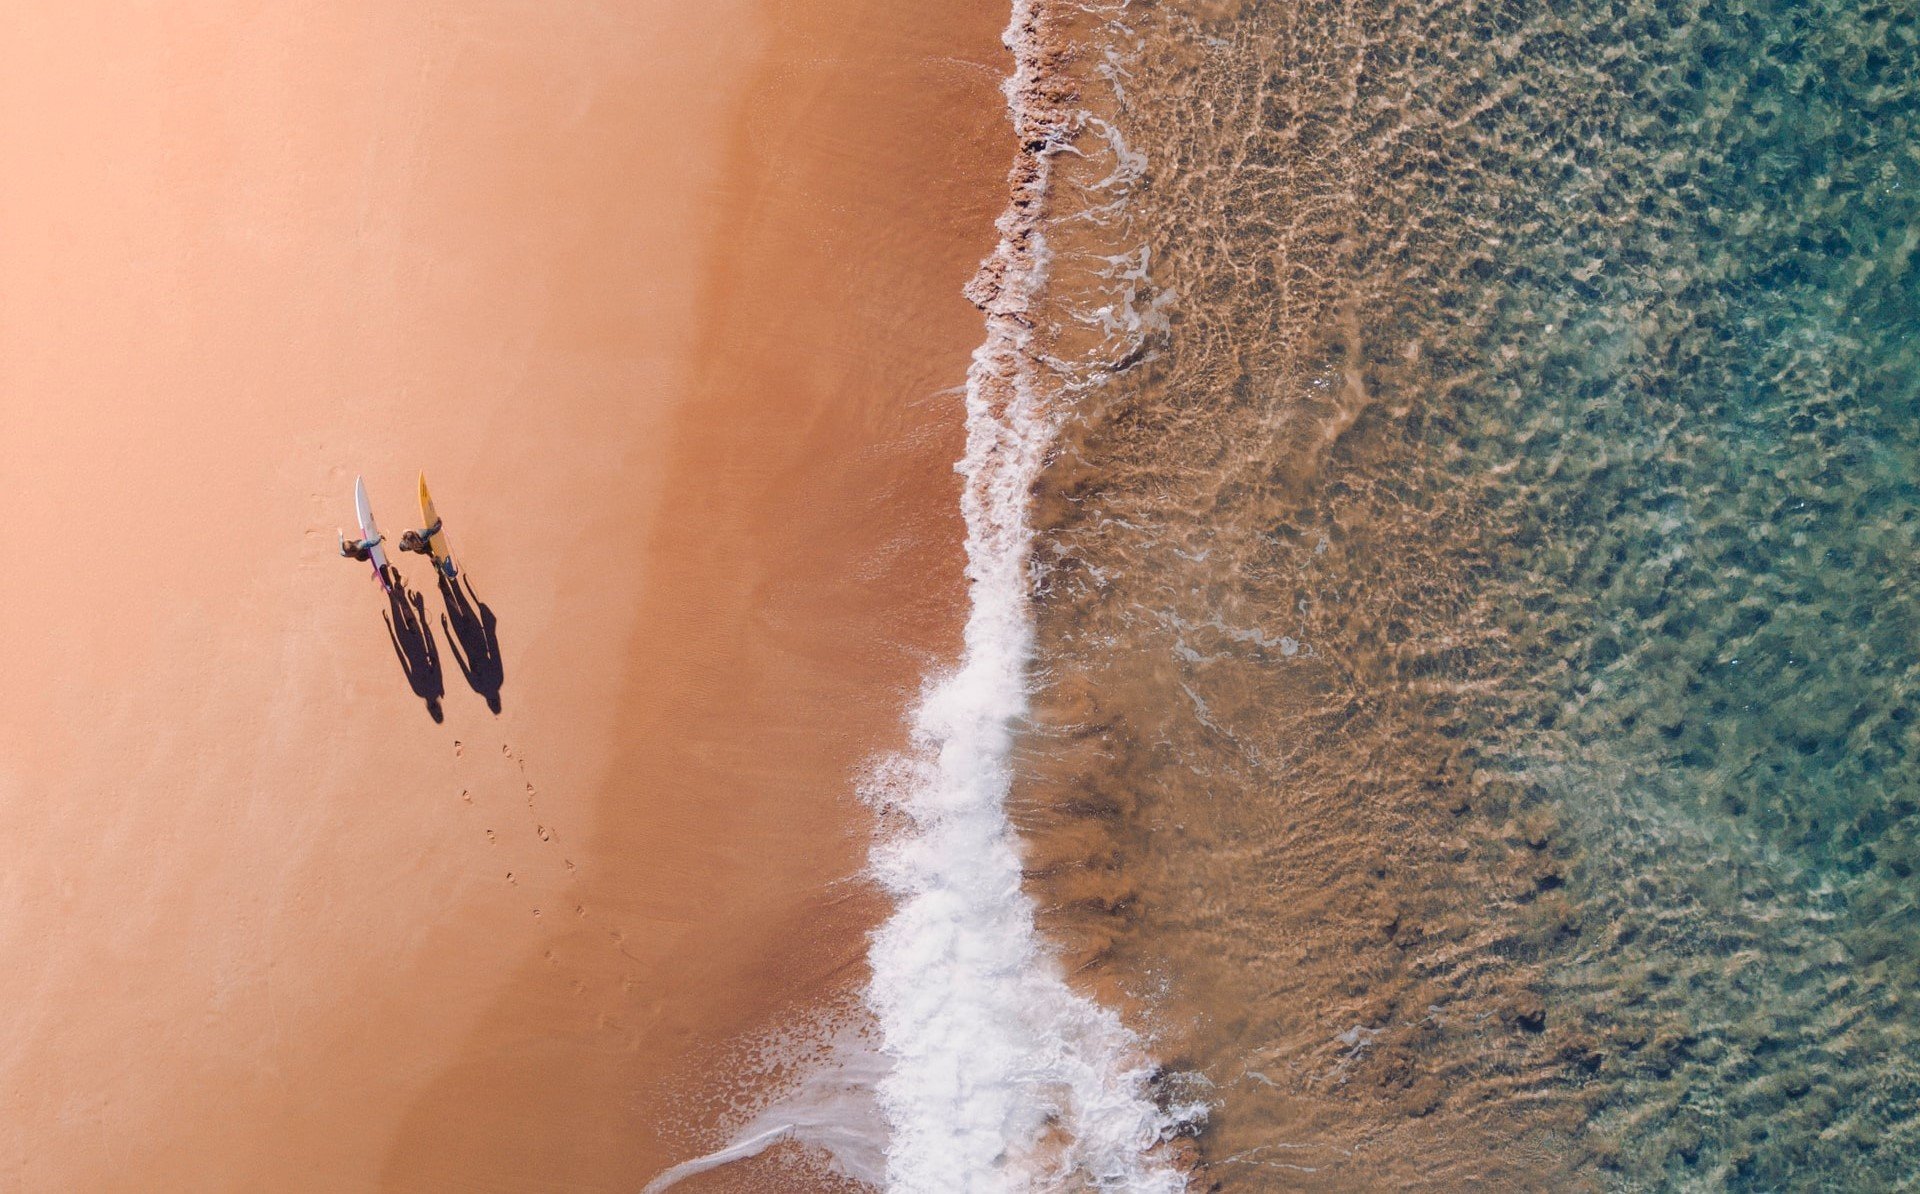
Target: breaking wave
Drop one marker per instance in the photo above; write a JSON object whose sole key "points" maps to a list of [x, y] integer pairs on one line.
{"points": [[1002, 1076]]}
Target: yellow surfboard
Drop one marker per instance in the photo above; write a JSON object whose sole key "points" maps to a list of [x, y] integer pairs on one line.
{"points": [[435, 537]]}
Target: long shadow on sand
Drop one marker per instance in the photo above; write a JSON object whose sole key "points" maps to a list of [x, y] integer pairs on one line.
{"points": [[473, 637], [412, 638]]}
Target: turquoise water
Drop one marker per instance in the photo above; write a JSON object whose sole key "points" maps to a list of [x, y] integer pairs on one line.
{"points": [[1712, 570], [1496, 585]]}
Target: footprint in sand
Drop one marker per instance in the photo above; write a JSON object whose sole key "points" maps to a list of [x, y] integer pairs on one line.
{"points": [[490, 837], [545, 834], [458, 750], [511, 880]]}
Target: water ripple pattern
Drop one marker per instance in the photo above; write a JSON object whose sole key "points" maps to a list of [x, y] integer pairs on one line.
{"points": [[1477, 624]]}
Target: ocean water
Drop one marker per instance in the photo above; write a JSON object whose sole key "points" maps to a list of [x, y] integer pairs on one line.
{"points": [[1473, 724]]}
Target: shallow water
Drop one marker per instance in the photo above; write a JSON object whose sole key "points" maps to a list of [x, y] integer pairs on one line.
{"points": [[1476, 642]]}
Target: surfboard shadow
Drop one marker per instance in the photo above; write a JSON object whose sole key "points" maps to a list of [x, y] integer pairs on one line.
{"points": [[412, 638], [473, 638]]}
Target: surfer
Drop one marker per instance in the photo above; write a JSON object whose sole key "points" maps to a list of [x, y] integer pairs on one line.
{"points": [[421, 542], [358, 549]]}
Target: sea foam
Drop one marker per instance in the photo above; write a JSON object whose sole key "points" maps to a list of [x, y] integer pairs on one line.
{"points": [[1001, 1076]]}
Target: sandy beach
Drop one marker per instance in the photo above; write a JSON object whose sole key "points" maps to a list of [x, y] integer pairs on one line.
{"points": [[666, 301]]}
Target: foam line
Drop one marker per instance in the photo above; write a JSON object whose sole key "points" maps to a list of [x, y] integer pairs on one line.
{"points": [[739, 1150], [1001, 1076]]}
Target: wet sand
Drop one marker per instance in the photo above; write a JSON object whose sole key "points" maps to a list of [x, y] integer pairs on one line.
{"points": [[664, 300]]}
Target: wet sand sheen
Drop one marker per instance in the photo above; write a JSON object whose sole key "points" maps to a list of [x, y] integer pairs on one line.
{"points": [[664, 301]]}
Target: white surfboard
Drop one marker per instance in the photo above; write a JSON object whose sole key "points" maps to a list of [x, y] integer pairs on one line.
{"points": [[369, 531]]}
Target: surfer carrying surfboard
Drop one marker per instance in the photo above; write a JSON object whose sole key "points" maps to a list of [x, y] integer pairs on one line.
{"points": [[431, 540], [422, 542], [416, 541], [367, 547]]}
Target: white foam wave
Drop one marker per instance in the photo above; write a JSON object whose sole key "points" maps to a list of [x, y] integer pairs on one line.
{"points": [[1002, 1077], [822, 1102]]}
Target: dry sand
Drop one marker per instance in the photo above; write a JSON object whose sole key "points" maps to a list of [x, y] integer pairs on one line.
{"points": [[663, 297]]}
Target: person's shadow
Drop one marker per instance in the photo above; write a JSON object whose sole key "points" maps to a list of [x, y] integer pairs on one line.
{"points": [[473, 637], [412, 638]]}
